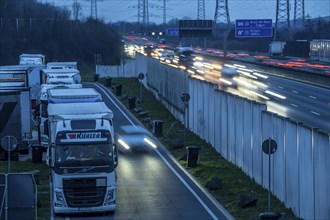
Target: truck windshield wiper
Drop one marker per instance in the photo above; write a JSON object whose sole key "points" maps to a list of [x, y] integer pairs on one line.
{"points": [[70, 162], [98, 162]]}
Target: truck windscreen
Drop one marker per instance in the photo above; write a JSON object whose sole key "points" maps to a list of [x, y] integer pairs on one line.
{"points": [[102, 153]]}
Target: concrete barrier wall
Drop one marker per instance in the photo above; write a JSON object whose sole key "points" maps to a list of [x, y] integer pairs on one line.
{"points": [[236, 127]]}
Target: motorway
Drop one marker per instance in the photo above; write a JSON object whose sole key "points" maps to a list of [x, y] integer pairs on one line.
{"points": [[301, 102], [150, 182]]}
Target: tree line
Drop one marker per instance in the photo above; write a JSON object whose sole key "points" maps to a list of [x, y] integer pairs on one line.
{"points": [[32, 27]]}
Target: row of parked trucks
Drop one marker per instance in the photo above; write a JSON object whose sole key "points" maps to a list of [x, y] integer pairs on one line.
{"points": [[75, 127]]}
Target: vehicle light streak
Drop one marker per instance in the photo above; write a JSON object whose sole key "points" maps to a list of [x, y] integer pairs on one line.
{"points": [[199, 58], [260, 84], [208, 66], [262, 96], [182, 67], [200, 71], [246, 70], [241, 66], [260, 75], [226, 81], [232, 66], [315, 113], [245, 83], [213, 73], [191, 71], [150, 143], [173, 65], [198, 64], [247, 74], [215, 66], [275, 94], [123, 143]]}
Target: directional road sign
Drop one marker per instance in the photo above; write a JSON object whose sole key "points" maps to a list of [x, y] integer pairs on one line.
{"points": [[254, 28], [172, 32]]}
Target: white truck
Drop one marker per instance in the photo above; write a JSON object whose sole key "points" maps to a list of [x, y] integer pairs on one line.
{"points": [[63, 95], [82, 157], [62, 65], [276, 48], [15, 118], [57, 76], [34, 59], [22, 76]]}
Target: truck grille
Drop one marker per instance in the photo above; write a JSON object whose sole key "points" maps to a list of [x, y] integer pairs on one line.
{"points": [[84, 192]]}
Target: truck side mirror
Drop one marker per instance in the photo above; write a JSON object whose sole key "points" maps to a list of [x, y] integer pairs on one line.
{"points": [[48, 156], [115, 155]]}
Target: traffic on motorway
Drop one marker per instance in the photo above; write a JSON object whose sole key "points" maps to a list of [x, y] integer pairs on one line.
{"points": [[299, 100]]}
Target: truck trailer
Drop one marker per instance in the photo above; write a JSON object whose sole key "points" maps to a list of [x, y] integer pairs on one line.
{"points": [[23, 76], [62, 65], [52, 76], [15, 118], [82, 157]]}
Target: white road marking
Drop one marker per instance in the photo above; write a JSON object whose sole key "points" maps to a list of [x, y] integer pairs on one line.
{"points": [[295, 92], [169, 165], [294, 105], [315, 113], [312, 97]]}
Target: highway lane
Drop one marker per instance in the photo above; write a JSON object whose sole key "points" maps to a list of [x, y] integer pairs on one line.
{"points": [[151, 184], [304, 103], [301, 102]]}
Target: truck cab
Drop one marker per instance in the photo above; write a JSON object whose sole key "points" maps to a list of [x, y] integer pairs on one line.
{"points": [[82, 158], [62, 94]]}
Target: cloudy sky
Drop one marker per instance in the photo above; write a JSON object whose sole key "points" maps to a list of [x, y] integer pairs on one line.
{"points": [[126, 10]]}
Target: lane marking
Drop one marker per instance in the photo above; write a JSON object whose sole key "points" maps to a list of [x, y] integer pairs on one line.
{"points": [[166, 162], [294, 105], [116, 104], [295, 92], [315, 113], [187, 185], [312, 97]]}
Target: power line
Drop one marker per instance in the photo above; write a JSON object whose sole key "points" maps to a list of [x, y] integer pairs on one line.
{"points": [[299, 12], [201, 9], [221, 12]]}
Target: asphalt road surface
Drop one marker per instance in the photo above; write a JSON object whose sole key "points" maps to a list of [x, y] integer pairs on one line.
{"points": [[150, 183]]}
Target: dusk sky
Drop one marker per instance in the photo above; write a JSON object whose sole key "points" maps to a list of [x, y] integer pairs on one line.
{"points": [[126, 10]]}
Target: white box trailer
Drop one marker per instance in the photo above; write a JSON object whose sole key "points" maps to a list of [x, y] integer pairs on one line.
{"points": [[64, 75], [34, 59], [73, 95], [16, 114], [22, 76], [62, 65], [82, 157]]}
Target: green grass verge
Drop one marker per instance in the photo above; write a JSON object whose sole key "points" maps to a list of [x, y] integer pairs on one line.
{"points": [[234, 182]]}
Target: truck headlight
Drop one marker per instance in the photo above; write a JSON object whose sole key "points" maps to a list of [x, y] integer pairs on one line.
{"points": [[59, 199], [110, 197]]}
